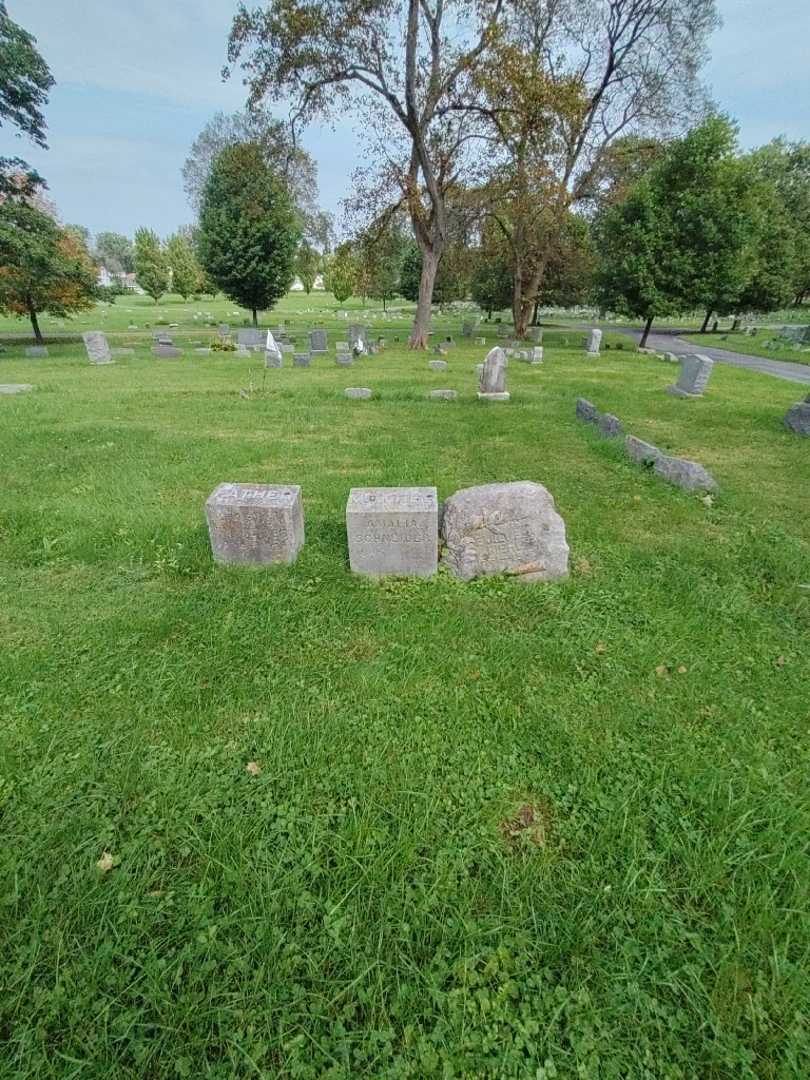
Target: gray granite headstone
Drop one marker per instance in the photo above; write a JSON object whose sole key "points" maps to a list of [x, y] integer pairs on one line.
{"points": [[437, 365], [586, 411], [504, 529], [255, 524], [689, 475], [493, 377], [443, 395], [344, 360], [467, 329], [536, 355], [695, 372], [97, 347], [15, 388], [358, 393], [301, 359], [317, 341], [251, 338], [166, 352], [594, 342], [798, 418], [536, 334], [393, 531], [343, 347], [36, 350], [273, 358]]}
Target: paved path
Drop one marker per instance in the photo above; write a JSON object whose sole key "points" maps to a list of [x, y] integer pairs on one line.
{"points": [[668, 341]]}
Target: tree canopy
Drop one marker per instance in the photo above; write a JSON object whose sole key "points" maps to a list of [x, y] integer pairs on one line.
{"points": [[151, 265], [25, 82]]}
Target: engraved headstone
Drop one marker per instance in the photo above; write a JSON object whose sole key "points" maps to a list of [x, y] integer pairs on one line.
{"points": [[250, 339], [695, 372], [437, 365], [165, 352], [594, 342], [493, 377], [97, 347], [505, 528], [344, 360], [301, 359], [36, 350], [536, 334], [317, 341], [467, 329], [343, 347], [798, 417], [255, 524], [443, 395], [358, 393], [393, 531], [15, 388]]}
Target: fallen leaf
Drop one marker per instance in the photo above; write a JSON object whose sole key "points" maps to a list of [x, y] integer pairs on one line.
{"points": [[662, 669], [681, 669], [708, 500], [780, 661], [106, 862], [600, 647], [583, 566], [253, 768], [636, 498]]}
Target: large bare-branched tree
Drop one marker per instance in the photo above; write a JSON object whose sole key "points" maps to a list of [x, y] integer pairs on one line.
{"points": [[414, 58]]}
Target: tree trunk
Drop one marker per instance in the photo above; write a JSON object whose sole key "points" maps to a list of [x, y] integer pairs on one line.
{"points": [[535, 313], [421, 322], [255, 317], [736, 322], [705, 326], [643, 343], [35, 324]]}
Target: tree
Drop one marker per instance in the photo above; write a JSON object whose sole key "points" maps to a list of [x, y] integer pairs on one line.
{"points": [[249, 232], [413, 60], [566, 82], [151, 266], [25, 81], [115, 252], [288, 161], [307, 265], [341, 272], [43, 267], [381, 249], [492, 281], [182, 260], [787, 166], [449, 283]]}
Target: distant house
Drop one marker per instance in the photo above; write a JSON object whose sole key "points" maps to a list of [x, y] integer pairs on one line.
{"points": [[120, 278], [317, 285]]}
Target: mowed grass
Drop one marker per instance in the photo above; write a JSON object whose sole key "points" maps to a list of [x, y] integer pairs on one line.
{"points": [[753, 346], [497, 830]]}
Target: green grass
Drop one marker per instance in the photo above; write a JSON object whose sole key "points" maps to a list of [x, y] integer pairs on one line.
{"points": [[361, 908], [752, 346]]}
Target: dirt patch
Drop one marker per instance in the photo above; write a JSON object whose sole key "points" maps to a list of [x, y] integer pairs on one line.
{"points": [[529, 826]]}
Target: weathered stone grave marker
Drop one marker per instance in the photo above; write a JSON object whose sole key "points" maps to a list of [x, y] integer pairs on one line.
{"points": [[493, 377], [594, 342], [301, 359], [798, 417], [36, 350], [393, 531], [317, 341], [437, 365], [695, 372], [255, 524], [97, 347], [358, 393], [15, 388]]}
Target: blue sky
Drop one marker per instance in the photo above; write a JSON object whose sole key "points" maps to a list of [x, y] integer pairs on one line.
{"points": [[137, 80]]}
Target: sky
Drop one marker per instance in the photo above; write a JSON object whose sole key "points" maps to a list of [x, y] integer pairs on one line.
{"points": [[136, 81]]}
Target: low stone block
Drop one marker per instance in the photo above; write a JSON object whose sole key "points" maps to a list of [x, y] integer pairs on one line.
{"points": [[343, 347], [443, 395], [166, 352], [610, 425], [301, 359], [695, 372], [15, 388], [586, 411], [358, 393], [504, 396], [798, 418], [536, 355], [393, 531], [344, 361], [274, 358], [438, 365], [504, 529], [689, 475], [255, 524], [36, 350], [641, 452]]}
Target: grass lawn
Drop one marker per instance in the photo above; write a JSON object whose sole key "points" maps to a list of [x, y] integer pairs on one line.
{"points": [[368, 902], [752, 346]]}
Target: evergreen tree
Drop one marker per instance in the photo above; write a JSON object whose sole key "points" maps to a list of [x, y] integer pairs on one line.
{"points": [[248, 229]]}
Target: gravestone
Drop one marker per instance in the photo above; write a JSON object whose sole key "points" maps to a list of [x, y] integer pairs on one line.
{"points": [[286, 347], [594, 342], [344, 360], [689, 475], [36, 350], [437, 365], [358, 393], [15, 388], [467, 329], [393, 531], [273, 358], [798, 417], [224, 329], [586, 411], [250, 339], [695, 372], [493, 377], [607, 423], [443, 395], [255, 524], [536, 354], [504, 529], [536, 334], [301, 359], [202, 350], [165, 352], [481, 341], [317, 341], [97, 347], [357, 333], [343, 347]]}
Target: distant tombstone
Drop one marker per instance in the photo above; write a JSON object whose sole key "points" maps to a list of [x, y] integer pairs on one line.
{"points": [[695, 372], [504, 331], [36, 350], [594, 342], [393, 531], [224, 329], [437, 365], [481, 341], [536, 334], [357, 332], [343, 347], [443, 395], [467, 329], [122, 351], [358, 393], [255, 524], [798, 418], [536, 354], [97, 347], [250, 339], [317, 341], [586, 411], [504, 529], [493, 377], [344, 360], [165, 352], [273, 358], [301, 359], [15, 388], [689, 475]]}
